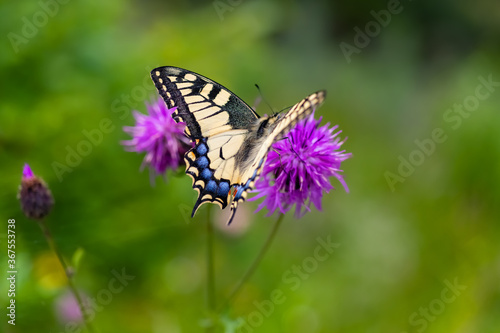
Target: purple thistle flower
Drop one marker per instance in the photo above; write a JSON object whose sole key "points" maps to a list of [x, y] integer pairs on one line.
{"points": [[34, 195], [159, 136], [298, 168]]}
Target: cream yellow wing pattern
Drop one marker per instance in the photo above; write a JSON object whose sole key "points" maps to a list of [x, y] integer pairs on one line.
{"points": [[231, 140]]}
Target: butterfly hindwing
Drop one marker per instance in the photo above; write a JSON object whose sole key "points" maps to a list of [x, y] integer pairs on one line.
{"points": [[209, 188], [212, 166]]}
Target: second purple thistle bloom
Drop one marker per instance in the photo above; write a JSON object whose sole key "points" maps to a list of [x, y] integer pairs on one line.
{"points": [[299, 167], [159, 136]]}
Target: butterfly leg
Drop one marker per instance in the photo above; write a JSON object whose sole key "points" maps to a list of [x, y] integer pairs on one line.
{"points": [[279, 155]]}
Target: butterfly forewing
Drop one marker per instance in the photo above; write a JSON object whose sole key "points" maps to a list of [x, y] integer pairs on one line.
{"points": [[205, 106]]}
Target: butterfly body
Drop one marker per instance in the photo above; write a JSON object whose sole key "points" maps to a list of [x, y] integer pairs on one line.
{"points": [[231, 140]]}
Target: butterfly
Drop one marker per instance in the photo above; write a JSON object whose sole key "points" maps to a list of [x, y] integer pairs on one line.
{"points": [[231, 139]]}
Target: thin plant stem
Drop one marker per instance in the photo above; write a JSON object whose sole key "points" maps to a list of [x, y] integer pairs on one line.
{"points": [[211, 303], [255, 263], [210, 263], [69, 274]]}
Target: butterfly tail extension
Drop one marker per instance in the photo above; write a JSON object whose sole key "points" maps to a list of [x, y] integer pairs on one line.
{"points": [[240, 195], [233, 213]]}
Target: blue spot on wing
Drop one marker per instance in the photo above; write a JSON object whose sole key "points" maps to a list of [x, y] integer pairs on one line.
{"points": [[201, 149], [202, 162], [223, 189], [206, 174], [211, 186]]}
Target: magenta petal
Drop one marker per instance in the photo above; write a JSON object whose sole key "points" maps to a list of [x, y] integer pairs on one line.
{"points": [[27, 173]]}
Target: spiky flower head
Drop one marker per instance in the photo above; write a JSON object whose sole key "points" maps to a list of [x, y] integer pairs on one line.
{"points": [[159, 136], [34, 195], [299, 167]]}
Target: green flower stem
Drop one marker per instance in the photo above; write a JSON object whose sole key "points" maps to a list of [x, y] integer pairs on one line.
{"points": [[211, 303], [68, 272], [210, 263], [255, 263]]}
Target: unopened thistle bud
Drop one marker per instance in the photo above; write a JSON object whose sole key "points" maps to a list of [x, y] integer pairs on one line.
{"points": [[34, 195]]}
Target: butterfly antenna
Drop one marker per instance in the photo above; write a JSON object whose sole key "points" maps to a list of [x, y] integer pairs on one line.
{"points": [[277, 152], [261, 97], [286, 108]]}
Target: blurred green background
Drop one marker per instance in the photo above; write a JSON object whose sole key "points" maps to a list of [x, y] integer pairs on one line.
{"points": [[402, 241]]}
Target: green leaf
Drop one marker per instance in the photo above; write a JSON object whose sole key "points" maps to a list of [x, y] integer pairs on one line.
{"points": [[77, 258]]}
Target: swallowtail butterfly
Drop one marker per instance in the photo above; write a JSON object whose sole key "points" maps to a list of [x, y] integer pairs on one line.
{"points": [[231, 140]]}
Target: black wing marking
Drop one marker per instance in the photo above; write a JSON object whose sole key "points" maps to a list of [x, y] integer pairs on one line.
{"points": [[205, 106]]}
